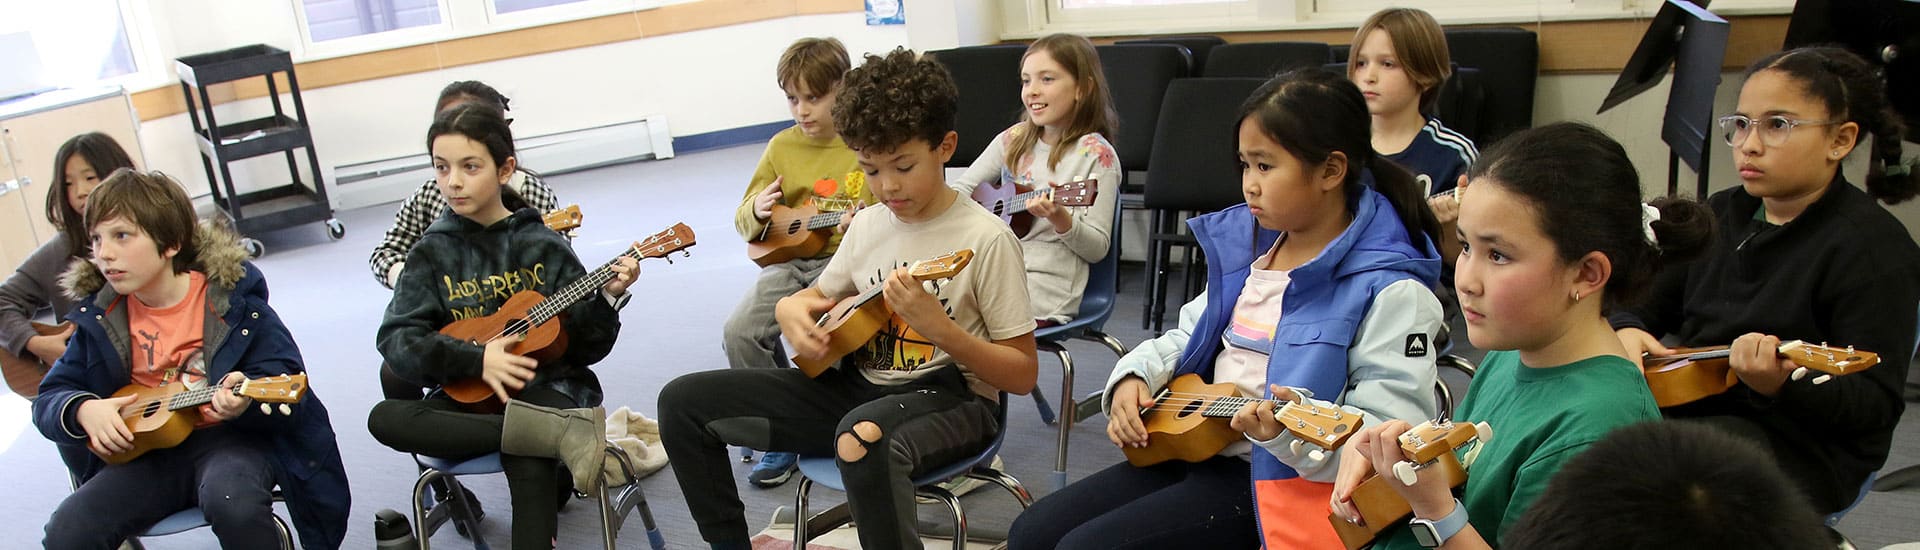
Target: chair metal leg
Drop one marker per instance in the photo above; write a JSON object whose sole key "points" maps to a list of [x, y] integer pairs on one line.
{"points": [[613, 512], [455, 509], [800, 519], [286, 535], [1119, 350], [1059, 478], [953, 505], [1153, 270], [1006, 482], [1045, 409]]}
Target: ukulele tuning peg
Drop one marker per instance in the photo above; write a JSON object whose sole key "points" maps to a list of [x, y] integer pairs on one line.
{"points": [[1799, 373], [1822, 379], [1317, 454], [285, 410], [1294, 446], [266, 409], [1406, 472]]}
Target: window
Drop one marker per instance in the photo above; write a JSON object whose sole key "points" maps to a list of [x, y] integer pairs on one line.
{"points": [[336, 19], [46, 45], [510, 6], [1033, 18]]}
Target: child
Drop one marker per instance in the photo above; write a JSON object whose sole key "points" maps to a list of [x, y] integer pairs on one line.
{"points": [[1536, 292], [804, 163], [1399, 59], [919, 394], [425, 206], [1802, 254], [80, 164], [1061, 138], [168, 300], [1670, 485], [1318, 286], [483, 241]]}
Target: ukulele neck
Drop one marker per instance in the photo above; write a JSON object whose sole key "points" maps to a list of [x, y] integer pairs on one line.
{"points": [[571, 294], [195, 397], [823, 221]]}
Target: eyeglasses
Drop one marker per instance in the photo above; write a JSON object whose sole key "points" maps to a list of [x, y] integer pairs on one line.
{"points": [[1773, 129]]}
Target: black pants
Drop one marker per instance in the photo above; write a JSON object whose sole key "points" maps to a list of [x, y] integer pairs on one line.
{"points": [[437, 427], [931, 422], [1167, 505], [224, 471]]}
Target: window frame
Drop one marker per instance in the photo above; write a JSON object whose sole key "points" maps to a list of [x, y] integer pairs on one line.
{"points": [[1028, 19]]}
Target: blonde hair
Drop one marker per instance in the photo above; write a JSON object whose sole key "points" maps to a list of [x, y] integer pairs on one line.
{"points": [[817, 63], [1419, 44], [1093, 112]]}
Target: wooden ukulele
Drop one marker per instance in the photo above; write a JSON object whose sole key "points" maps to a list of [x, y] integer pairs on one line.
{"points": [[1010, 203], [163, 417], [1429, 445], [23, 373], [856, 319], [1189, 421], [793, 232], [535, 316], [565, 220], [1692, 374]]}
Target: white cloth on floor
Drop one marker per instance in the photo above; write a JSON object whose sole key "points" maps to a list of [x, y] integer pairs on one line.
{"points": [[639, 437]]}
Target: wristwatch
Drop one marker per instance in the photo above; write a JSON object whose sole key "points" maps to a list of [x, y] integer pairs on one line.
{"points": [[1431, 533]]}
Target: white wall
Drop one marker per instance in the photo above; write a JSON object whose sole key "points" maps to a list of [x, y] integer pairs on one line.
{"points": [[701, 81]]}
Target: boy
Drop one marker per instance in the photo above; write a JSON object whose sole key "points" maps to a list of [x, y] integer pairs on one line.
{"points": [[806, 162], [169, 300], [921, 392], [1670, 485]]}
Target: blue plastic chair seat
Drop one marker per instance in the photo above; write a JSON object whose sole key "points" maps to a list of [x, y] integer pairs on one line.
{"points": [[180, 522], [484, 464], [825, 471]]}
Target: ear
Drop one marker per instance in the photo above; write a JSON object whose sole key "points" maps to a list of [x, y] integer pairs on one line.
{"points": [[1330, 175], [948, 144], [1591, 273], [507, 168], [1845, 138]]}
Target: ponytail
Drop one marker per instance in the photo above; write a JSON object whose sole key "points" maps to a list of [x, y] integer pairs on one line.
{"points": [[1404, 193]]}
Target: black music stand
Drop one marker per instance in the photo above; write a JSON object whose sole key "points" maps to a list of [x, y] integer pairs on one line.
{"points": [[1694, 41]]}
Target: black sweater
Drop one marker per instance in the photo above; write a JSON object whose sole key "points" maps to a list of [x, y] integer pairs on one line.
{"points": [[460, 269], [1844, 272]]}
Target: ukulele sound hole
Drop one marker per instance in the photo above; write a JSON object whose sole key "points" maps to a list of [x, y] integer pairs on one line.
{"points": [[1189, 409], [793, 227], [150, 410], [517, 326]]}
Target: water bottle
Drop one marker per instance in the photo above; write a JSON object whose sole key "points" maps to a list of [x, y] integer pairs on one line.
{"points": [[391, 531]]}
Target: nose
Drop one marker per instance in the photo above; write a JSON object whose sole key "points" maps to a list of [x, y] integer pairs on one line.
{"points": [[1466, 276]]}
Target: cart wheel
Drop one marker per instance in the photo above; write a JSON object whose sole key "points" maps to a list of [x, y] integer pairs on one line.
{"points": [[254, 247], [335, 229]]}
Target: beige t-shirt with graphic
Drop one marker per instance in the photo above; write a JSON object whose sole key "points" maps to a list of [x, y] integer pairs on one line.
{"points": [[988, 298]]}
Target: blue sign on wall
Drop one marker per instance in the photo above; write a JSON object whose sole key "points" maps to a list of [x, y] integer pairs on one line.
{"points": [[886, 12]]}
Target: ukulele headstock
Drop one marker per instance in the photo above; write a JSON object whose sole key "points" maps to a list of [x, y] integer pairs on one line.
{"points": [[673, 239], [286, 388], [564, 220], [1828, 359], [1326, 427], [1076, 193], [941, 267], [1430, 439]]}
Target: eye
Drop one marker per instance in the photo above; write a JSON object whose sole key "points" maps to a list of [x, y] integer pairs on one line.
{"points": [[1241, 164], [870, 171], [1777, 123], [1497, 257], [905, 169]]}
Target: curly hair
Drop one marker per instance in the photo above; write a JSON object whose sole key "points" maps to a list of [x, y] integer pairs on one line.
{"points": [[889, 101]]}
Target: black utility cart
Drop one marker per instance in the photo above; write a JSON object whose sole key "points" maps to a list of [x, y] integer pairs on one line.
{"points": [[265, 209]]}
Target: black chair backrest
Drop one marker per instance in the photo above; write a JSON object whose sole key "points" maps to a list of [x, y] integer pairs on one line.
{"points": [[1339, 52], [1197, 46], [1509, 63], [1264, 59], [1192, 166], [1137, 77], [988, 79], [1462, 103]]}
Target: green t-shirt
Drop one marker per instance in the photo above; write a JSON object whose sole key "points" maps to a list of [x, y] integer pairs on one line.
{"points": [[1541, 418]]}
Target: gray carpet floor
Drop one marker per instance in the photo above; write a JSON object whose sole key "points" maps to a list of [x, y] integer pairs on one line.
{"points": [[331, 302]]}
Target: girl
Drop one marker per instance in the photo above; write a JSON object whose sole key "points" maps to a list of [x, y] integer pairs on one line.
{"points": [[1399, 59], [1536, 292], [1332, 248], [428, 203], [1801, 255], [1061, 138], [483, 240], [80, 164]]}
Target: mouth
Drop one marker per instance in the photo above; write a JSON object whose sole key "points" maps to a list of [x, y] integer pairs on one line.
{"points": [[1036, 107], [114, 275], [896, 203], [1371, 95], [1749, 171], [1472, 315]]}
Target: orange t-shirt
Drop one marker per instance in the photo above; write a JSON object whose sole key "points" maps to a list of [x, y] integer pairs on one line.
{"points": [[167, 341]]}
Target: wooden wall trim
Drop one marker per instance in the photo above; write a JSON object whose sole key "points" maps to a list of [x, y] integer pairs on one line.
{"points": [[167, 100]]}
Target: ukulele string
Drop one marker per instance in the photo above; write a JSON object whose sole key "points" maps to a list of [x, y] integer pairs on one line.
{"points": [[546, 308]]}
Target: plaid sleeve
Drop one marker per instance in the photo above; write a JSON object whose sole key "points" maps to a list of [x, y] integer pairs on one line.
{"points": [[416, 213], [537, 194]]}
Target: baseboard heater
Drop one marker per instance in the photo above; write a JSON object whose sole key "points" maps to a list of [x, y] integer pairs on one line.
{"points": [[390, 180]]}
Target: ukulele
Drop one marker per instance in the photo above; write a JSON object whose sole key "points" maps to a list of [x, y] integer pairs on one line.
{"points": [[1005, 199], [1429, 445], [856, 319], [528, 313], [793, 232], [23, 373], [1692, 374], [1189, 421], [162, 417], [563, 221]]}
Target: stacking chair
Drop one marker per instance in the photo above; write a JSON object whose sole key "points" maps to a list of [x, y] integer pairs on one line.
{"points": [[1198, 47], [1191, 170], [1508, 61], [825, 471], [1264, 59], [1461, 103], [455, 507], [988, 79], [1137, 77], [1096, 306]]}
